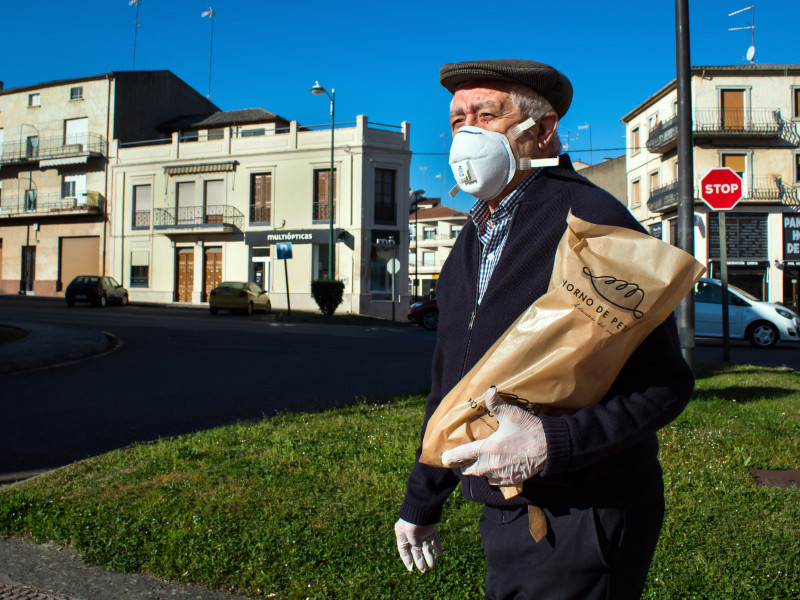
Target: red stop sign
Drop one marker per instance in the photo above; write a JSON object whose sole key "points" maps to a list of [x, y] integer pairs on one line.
{"points": [[721, 188]]}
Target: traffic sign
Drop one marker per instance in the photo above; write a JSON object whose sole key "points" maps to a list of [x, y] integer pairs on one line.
{"points": [[721, 188], [284, 250]]}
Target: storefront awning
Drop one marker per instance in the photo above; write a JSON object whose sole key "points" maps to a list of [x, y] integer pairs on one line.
{"points": [[201, 168], [67, 160]]}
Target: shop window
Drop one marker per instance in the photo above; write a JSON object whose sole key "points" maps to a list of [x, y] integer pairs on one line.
{"points": [[383, 249], [261, 198], [142, 205], [321, 209], [385, 204], [319, 257]]}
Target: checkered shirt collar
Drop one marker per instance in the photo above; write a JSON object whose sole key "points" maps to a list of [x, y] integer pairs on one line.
{"points": [[481, 214]]}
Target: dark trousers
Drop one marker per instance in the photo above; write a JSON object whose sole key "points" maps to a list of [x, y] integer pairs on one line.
{"points": [[593, 551]]}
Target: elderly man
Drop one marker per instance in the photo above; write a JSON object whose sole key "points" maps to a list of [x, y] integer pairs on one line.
{"points": [[586, 523]]}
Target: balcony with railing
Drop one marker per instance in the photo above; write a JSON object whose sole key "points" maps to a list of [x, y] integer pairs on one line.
{"points": [[216, 218], [757, 190], [33, 204], [55, 148], [714, 122]]}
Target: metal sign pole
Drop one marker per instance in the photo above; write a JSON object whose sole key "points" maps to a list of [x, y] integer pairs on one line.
{"points": [[723, 263], [286, 271]]}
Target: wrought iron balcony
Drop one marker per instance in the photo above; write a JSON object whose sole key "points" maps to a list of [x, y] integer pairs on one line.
{"points": [[183, 217], [32, 203], [663, 198], [715, 122], [36, 149]]}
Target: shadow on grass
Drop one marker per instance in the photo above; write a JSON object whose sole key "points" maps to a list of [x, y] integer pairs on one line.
{"points": [[705, 370], [11, 334], [743, 394]]}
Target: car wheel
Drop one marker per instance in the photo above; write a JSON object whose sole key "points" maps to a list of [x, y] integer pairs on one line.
{"points": [[70, 302], [763, 334], [214, 310], [249, 309], [430, 319], [124, 300], [103, 301], [268, 307]]}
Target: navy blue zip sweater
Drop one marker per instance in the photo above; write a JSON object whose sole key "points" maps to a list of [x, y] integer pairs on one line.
{"points": [[615, 438]]}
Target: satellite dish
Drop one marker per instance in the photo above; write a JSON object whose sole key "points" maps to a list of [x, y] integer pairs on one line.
{"points": [[751, 52]]}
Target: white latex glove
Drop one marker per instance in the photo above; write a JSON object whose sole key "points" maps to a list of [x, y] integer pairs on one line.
{"points": [[512, 454], [417, 544]]}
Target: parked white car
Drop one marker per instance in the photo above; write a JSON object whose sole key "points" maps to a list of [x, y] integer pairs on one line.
{"points": [[762, 323]]}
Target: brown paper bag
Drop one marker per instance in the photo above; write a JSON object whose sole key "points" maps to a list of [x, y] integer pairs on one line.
{"points": [[610, 288]]}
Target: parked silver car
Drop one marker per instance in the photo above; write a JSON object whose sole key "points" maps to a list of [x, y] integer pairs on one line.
{"points": [[762, 323]]}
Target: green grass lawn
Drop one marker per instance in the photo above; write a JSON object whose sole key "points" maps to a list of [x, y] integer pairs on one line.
{"points": [[302, 505]]}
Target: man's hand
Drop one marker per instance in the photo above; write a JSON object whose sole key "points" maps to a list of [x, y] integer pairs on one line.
{"points": [[418, 544], [512, 454]]}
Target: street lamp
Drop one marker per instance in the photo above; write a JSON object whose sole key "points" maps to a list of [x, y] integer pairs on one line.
{"points": [[318, 90]]}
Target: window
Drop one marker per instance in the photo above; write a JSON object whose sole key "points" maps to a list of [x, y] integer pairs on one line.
{"points": [[215, 134], [653, 182], [738, 163], [635, 141], [412, 233], [428, 259], [76, 133], [455, 230], [76, 93], [261, 198], [635, 198], [797, 168], [319, 257], [30, 200], [732, 109], [140, 268], [73, 187], [189, 136], [321, 210], [142, 204], [652, 122], [214, 200], [185, 204], [429, 233], [796, 103], [384, 249], [34, 100], [32, 146], [253, 132], [385, 208]]}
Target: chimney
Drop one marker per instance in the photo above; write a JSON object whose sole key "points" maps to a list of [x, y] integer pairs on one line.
{"points": [[1, 85]]}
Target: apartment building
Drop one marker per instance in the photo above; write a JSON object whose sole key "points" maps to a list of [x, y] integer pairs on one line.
{"points": [[213, 201], [745, 117], [434, 228], [55, 154]]}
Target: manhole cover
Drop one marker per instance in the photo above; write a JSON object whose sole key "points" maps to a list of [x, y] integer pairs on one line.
{"points": [[779, 479]]}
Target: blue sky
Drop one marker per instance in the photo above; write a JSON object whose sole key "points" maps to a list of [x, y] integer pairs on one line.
{"points": [[382, 58]]}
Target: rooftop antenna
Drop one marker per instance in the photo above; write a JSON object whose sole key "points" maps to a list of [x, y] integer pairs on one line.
{"points": [[136, 28], [751, 51], [210, 13]]}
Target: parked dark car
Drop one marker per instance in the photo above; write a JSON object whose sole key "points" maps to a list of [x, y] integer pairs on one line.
{"points": [[95, 289], [426, 313]]}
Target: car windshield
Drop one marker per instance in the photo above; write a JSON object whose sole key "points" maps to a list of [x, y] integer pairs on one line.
{"points": [[744, 294], [83, 280], [237, 285]]}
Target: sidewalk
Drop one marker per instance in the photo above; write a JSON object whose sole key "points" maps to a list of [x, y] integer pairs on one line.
{"points": [[47, 345], [31, 571]]}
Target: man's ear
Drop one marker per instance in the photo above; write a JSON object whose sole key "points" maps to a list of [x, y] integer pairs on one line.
{"points": [[547, 127]]}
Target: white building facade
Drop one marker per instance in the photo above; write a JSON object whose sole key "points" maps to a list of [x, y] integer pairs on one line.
{"points": [[212, 202], [747, 118]]}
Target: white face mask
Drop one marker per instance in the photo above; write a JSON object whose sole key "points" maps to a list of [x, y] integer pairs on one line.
{"points": [[483, 162]]}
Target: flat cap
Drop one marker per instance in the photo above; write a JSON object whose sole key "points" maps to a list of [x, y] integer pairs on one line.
{"points": [[551, 83]]}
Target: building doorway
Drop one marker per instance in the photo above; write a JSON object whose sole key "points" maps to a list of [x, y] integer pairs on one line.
{"points": [[212, 273], [184, 284], [28, 271]]}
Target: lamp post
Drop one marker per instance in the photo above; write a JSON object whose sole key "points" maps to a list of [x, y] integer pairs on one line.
{"points": [[318, 90]]}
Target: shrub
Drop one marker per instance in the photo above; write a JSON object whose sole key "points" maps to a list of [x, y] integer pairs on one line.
{"points": [[327, 294]]}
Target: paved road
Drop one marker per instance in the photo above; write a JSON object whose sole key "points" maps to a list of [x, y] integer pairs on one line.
{"points": [[179, 370]]}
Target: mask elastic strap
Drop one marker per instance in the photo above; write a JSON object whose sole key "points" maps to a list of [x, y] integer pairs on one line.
{"points": [[520, 128], [532, 163]]}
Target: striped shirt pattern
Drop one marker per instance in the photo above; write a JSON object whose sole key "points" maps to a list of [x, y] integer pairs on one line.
{"points": [[493, 228]]}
